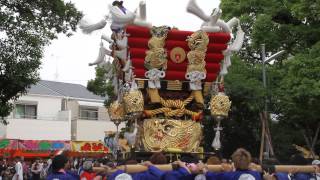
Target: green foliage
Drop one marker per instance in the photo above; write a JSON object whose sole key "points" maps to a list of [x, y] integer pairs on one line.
{"points": [[299, 91], [293, 85], [246, 92], [26, 27], [102, 86], [242, 129], [290, 25]]}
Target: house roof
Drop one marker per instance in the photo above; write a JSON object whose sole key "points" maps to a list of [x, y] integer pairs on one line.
{"points": [[53, 88]]}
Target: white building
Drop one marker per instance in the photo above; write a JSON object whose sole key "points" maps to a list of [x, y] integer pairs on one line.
{"points": [[58, 111]]}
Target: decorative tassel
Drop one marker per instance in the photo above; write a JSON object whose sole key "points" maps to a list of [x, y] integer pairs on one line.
{"points": [[88, 28], [101, 57], [131, 137], [216, 144], [237, 43], [122, 43], [106, 38], [121, 54]]}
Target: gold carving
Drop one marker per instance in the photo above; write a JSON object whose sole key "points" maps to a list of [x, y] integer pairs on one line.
{"points": [[199, 40], [198, 43], [177, 55], [116, 111], [162, 134], [156, 56], [220, 105], [133, 101], [174, 108]]}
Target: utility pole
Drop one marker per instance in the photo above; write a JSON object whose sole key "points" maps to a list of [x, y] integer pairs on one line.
{"points": [[266, 148]]}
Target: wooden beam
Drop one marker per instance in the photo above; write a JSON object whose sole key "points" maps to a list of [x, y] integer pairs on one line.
{"points": [[212, 168]]}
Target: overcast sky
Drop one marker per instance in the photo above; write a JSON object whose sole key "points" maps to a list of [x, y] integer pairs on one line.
{"points": [[66, 59]]}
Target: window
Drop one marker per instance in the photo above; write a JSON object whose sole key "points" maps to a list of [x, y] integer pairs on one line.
{"points": [[26, 111], [89, 113]]}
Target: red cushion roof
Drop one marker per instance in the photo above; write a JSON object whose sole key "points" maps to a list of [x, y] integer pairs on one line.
{"points": [[138, 44]]}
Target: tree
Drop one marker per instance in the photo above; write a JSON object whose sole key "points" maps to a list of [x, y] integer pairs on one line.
{"points": [[101, 85], [298, 95], [292, 84], [290, 25], [26, 28], [244, 87]]}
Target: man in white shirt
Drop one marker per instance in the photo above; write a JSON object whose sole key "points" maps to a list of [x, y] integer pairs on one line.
{"points": [[19, 169]]}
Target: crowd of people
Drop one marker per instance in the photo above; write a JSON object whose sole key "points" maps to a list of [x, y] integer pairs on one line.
{"points": [[240, 167]]}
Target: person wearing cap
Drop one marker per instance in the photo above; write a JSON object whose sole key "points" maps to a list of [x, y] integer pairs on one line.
{"points": [[316, 164]]}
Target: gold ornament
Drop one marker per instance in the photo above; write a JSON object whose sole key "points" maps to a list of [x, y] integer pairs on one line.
{"points": [[116, 111], [220, 105], [156, 56], [177, 55], [133, 101], [197, 42], [174, 108], [164, 134]]}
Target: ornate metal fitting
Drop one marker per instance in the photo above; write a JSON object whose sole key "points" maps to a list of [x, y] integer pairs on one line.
{"points": [[156, 56], [133, 101], [220, 105], [116, 111]]}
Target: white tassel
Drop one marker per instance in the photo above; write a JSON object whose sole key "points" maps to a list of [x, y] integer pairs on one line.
{"points": [[223, 25], [141, 17], [106, 38], [193, 8], [131, 137], [143, 10], [215, 16], [88, 28], [127, 66], [216, 144], [237, 43], [233, 21], [101, 57], [121, 54], [122, 43]]}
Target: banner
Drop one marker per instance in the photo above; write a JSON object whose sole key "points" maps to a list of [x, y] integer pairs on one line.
{"points": [[89, 146], [8, 144], [43, 145]]}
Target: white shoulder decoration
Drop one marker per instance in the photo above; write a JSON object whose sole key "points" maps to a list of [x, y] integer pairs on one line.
{"points": [[213, 23]]}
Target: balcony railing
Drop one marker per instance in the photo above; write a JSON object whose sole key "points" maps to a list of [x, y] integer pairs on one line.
{"points": [[61, 116]]}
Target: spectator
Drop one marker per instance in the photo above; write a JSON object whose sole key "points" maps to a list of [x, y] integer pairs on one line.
{"points": [[36, 169], [60, 164], [3, 167], [316, 164], [18, 169], [88, 173], [44, 171]]}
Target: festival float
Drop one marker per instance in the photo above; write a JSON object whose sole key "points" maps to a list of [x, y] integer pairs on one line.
{"points": [[164, 77]]}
